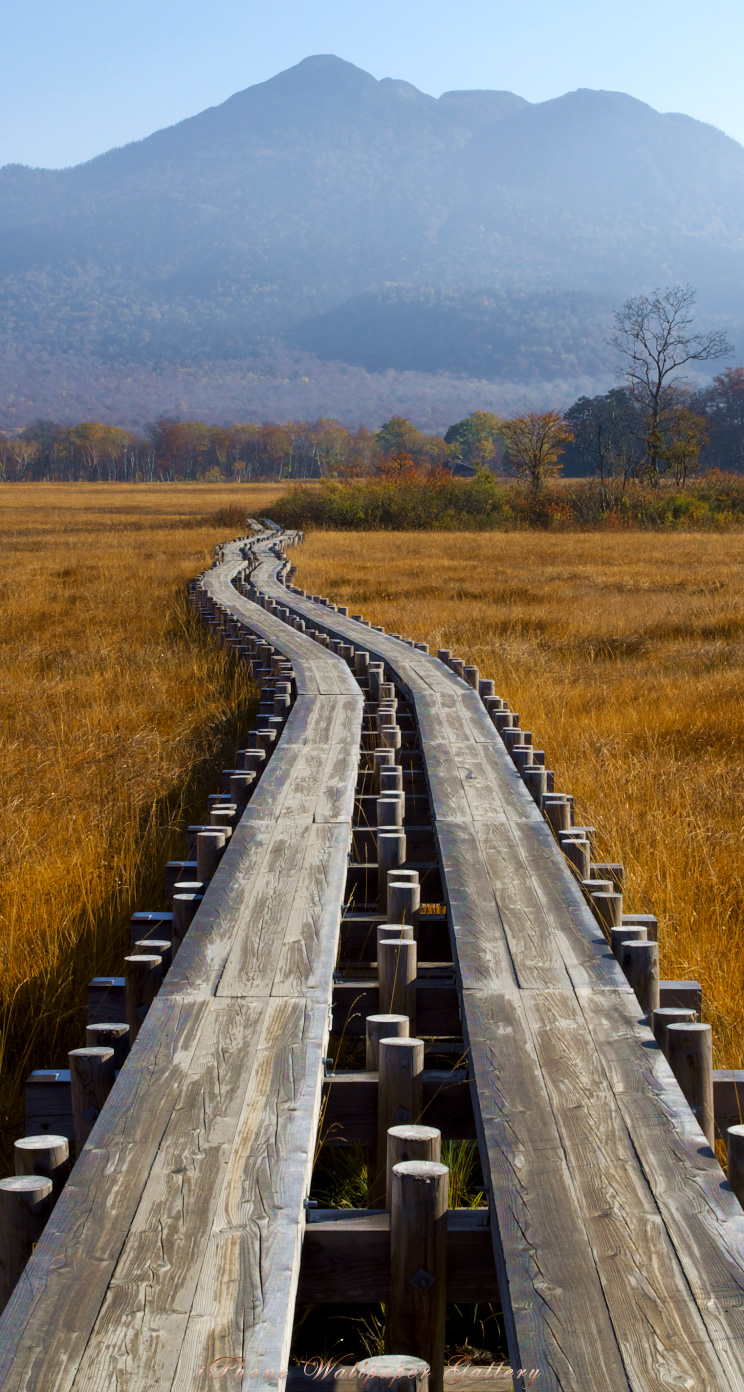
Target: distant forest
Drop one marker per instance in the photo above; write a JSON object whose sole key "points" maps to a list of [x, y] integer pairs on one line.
{"points": [[607, 437]]}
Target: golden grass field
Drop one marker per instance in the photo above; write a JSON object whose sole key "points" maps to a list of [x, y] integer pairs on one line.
{"points": [[624, 655], [114, 710]]}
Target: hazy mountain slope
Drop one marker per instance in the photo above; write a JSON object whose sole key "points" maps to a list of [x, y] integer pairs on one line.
{"points": [[291, 209]]}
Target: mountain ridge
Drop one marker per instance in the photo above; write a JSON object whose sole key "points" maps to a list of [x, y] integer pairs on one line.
{"points": [[277, 219]]}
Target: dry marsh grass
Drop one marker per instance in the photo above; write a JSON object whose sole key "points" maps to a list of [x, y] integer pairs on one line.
{"points": [[114, 709], [624, 654]]}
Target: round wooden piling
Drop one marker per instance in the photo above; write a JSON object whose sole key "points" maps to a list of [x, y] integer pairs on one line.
{"points": [[361, 663], [390, 811], [557, 811], [640, 962], [391, 780], [403, 901], [382, 759], [578, 852], [399, 1097], [25, 1205], [608, 908], [391, 852], [445, 655], [159, 945], [143, 974], [515, 736], [396, 967], [415, 1312], [536, 781], [224, 818], [667, 1015], [387, 932], [690, 1057], [390, 738], [91, 1080], [46, 1156], [625, 934], [390, 1372], [383, 1027], [472, 676], [209, 848], [110, 1036], [410, 1143], [735, 1143], [522, 755], [486, 688], [184, 909], [457, 666]]}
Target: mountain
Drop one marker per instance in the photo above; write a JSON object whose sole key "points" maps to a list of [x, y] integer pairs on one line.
{"points": [[326, 217]]}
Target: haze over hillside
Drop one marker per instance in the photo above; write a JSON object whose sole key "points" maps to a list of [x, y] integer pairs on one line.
{"points": [[228, 265]]}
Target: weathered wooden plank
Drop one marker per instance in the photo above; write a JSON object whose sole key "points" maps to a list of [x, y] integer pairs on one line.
{"points": [[50, 1318], [140, 1329], [704, 1220], [554, 1306], [659, 1329], [245, 1294]]}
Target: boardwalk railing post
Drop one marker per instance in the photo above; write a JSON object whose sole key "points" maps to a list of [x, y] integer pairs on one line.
{"points": [[391, 852], [383, 1027], [390, 1372], [410, 1143], [143, 975], [399, 1097], [415, 1313], [640, 962], [397, 964], [25, 1205], [664, 1017], [403, 901], [46, 1156], [691, 1061], [92, 1077]]}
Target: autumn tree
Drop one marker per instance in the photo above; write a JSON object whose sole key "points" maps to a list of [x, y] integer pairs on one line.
{"points": [[475, 439], [686, 436], [654, 335], [400, 436], [534, 444]]}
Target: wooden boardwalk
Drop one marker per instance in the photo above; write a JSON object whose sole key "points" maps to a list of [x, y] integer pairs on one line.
{"points": [[617, 1242]]}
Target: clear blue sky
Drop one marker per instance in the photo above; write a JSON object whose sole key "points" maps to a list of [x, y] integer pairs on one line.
{"points": [[80, 76]]}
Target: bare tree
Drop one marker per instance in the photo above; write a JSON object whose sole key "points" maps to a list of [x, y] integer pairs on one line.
{"points": [[654, 333], [534, 444]]}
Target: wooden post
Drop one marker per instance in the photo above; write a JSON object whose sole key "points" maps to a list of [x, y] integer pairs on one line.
{"points": [[390, 1372], [390, 738], [691, 1061], [578, 852], [143, 975], [46, 1156], [735, 1143], [382, 759], [184, 909], [471, 675], [399, 1096], [396, 967], [241, 787], [665, 1016], [486, 687], [557, 812], [625, 934], [390, 811], [391, 780], [640, 962], [110, 1036], [25, 1205], [403, 901], [361, 663], [457, 666], [536, 781], [608, 908], [444, 655], [383, 1027], [410, 1143], [209, 848], [391, 852], [522, 756], [91, 1080], [415, 1313]]}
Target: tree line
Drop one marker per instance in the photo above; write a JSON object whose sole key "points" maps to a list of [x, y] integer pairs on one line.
{"points": [[651, 427]]}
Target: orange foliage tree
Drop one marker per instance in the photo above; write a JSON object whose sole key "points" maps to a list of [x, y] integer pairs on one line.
{"points": [[534, 444]]}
